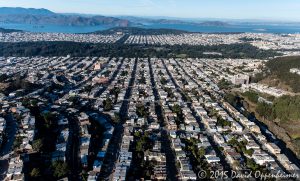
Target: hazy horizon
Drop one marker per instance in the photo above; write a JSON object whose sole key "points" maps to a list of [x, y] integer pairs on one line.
{"points": [[270, 10]]}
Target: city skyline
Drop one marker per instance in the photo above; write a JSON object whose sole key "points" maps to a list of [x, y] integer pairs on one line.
{"points": [[220, 9]]}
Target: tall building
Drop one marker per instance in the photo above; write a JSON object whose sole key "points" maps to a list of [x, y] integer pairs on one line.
{"points": [[97, 66], [240, 79]]}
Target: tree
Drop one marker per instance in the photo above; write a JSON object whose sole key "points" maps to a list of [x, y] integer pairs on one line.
{"points": [[142, 80], [252, 96], [107, 104], [3, 77], [124, 73], [265, 110], [116, 118], [251, 164], [244, 50], [224, 84], [280, 68], [201, 152], [37, 145], [115, 92], [163, 81], [195, 92], [141, 110], [222, 122], [139, 146], [169, 91], [35, 172], [233, 142], [49, 117], [177, 109], [249, 152], [59, 169], [17, 142]]}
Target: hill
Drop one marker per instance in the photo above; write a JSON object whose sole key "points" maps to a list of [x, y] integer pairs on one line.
{"points": [[31, 11], [282, 117], [44, 17], [278, 74], [146, 21], [3, 30], [214, 23]]}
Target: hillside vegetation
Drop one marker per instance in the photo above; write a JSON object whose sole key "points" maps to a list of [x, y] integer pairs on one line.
{"points": [[283, 111], [282, 117], [278, 69]]}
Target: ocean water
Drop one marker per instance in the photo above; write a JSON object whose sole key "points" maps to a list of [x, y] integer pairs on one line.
{"points": [[191, 28], [53, 28], [230, 29]]}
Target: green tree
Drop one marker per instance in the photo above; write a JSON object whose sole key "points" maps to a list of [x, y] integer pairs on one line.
{"points": [[139, 146], [141, 110], [116, 118], [49, 118], [17, 142], [177, 109], [252, 96], [60, 169], [37, 145], [201, 152], [222, 122], [224, 84], [35, 172], [265, 110], [124, 73], [251, 164], [107, 104], [249, 152], [163, 81]]}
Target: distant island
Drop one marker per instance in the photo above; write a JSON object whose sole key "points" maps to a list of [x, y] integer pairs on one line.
{"points": [[145, 21], [214, 23]]}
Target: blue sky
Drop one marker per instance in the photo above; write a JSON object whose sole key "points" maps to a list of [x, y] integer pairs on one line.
{"points": [[233, 9]]}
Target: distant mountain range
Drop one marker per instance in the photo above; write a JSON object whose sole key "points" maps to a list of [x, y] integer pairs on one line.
{"points": [[145, 21], [40, 20], [4, 30], [28, 11], [44, 16]]}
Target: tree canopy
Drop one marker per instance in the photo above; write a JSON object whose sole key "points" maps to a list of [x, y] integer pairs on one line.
{"points": [[124, 50]]}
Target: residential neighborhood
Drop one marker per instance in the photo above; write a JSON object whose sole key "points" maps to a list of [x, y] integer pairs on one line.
{"points": [[149, 90], [288, 44], [115, 118]]}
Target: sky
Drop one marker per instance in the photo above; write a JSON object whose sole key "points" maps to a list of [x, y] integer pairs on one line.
{"points": [[224, 9]]}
